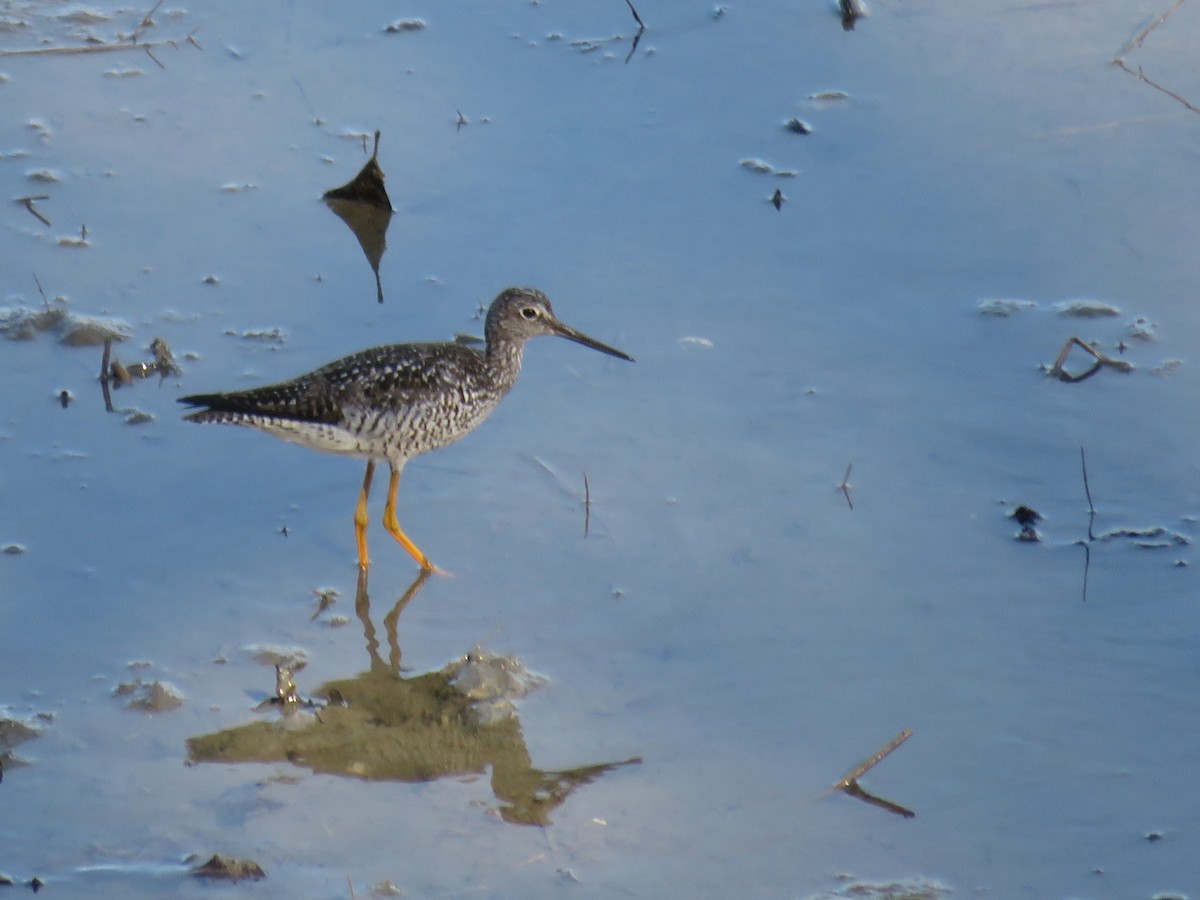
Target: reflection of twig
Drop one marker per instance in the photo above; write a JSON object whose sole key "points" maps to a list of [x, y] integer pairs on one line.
{"points": [[854, 789], [844, 487], [1087, 565], [875, 759], [1137, 39], [1136, 42]]}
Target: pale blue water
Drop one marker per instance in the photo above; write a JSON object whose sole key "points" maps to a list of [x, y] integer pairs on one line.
{"points": [[728, 618]]}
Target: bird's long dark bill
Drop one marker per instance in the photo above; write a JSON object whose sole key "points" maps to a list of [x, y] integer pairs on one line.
{"points": [[578, 337]]}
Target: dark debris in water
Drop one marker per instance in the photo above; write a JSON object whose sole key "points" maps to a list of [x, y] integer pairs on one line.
{"points": [[403, 25], [162, 364], [13, 733], [363, 204], [20, 323], [149, 696], [366, 186], [1027, 517], [226, 868]]}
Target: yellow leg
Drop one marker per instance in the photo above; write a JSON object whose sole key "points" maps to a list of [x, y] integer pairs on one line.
{"points": [[360, 517], [394, 529]]}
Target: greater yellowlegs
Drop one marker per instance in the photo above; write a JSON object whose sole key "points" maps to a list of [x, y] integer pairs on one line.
{"points": [[398, 401]]}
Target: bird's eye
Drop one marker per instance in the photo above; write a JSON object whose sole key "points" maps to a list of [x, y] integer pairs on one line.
{"points": [[529, 312]]}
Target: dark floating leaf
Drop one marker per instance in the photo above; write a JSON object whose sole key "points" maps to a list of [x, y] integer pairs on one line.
{"points": [[364, 206], [777, 199], [366, 186], [797, 126]]}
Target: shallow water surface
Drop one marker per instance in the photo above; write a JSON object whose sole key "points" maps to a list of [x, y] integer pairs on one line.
{"points": [[732, 617]]}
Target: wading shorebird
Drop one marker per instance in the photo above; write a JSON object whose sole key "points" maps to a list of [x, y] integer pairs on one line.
{"points": [[398, 401]]}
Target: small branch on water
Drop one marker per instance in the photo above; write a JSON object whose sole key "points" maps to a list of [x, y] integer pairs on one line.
{"points": [[103, 48], [587, 505], [1136, 42], [1087, 545], [1087, 490], [1062, 374], [131, 41], [849, 784], [146, 22], [875, 759], [28, 202], [104, 388], [638, 18], [844, 487], [1142, 76], [42, 291]]}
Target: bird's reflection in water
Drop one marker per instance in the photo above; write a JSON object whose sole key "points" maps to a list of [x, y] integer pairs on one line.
{"points": [[383, 726]]}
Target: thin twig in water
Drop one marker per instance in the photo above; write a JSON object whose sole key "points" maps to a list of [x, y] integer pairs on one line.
{"points": [[844, 487], [108, 407], [146, 22], [130, 42], [101, 48], [38, 282], [638, 18], [1087, 490], [27, 202], [1087, 545], [1101, 361], [849, 784], [1142, 76], [1136, 42], [587, 505], [876, 758]]}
